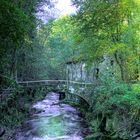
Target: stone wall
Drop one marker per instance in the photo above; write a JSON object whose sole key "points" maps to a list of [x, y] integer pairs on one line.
{"points": [[81, 71]]}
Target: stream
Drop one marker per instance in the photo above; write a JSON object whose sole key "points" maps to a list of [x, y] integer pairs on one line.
{"points": [[53, 121]]}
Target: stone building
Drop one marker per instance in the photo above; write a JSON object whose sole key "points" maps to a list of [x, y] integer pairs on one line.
{"points": [[81, 71]]}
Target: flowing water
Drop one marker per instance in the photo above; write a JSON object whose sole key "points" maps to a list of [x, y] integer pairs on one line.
{"points": [[53, 121]]}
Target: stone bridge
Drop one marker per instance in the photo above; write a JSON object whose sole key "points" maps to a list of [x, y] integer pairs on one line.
{"points": [[69, 88]]}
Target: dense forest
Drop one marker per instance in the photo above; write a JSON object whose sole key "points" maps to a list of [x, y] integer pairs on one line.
{"points": [[102, 38]]}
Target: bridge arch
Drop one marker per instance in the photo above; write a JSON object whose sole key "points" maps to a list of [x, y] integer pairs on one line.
{"points": [[66, 89]]}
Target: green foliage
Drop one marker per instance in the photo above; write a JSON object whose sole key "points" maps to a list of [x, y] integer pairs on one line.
{"points": [[15, 106], [113, 95], [17, 32], [136, 88], [108, 28], [100, 28], [119, 103], [15, 25]]}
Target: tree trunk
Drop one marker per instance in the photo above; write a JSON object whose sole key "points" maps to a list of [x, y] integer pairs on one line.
{"points": [[123, 68], [13, 69]]}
